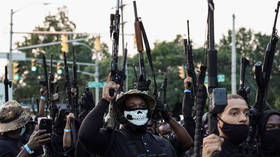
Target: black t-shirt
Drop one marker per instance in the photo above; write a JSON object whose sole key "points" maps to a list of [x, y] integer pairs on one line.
{"points": [[8, 147]]}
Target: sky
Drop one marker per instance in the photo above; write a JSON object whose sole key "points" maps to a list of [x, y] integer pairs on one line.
{"points": [[163, 19]]}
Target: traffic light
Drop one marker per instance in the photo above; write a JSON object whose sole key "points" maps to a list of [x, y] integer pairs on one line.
{"points": [[97, 44], [181, 72], [16, 74], [64, 44], [33, 65], [58, 69]]}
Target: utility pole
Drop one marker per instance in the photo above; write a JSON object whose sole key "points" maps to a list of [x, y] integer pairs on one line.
{"points": [[233, 58], [10, 55], [11, 49]]}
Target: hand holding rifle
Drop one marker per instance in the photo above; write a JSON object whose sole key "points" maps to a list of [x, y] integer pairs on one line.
{"points": [[106, 89]]}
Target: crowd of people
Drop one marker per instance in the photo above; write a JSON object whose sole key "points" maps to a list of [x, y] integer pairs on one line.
{"points": [[135, 131], [136, 123]]}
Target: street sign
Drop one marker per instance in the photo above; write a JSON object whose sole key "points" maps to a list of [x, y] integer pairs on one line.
{"points": [[96, 84], [221, 78], [16, 56]]}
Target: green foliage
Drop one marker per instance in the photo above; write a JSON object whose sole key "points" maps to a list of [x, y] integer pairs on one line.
{"points": [[28, 85], [252, 46], [166, 57]]}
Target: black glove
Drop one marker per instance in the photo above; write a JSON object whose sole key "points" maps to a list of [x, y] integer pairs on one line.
{"points": [[142, 85], [162, 110]]}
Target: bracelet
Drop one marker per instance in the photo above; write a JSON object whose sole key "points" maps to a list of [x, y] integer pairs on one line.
{"points": [[43, 98], [67, 130], [187, 91], [28, 149]]}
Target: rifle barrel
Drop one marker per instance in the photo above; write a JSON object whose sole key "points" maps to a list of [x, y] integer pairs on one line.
{"points": [[135, 10], [275, 19], [188, 31]]}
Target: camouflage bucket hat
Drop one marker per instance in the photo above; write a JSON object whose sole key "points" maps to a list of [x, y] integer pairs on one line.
{"points": [[149, 100], [12, 116]]}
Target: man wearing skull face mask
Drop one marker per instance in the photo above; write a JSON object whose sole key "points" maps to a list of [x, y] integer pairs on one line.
{"points": [[233, 130], [270, 134], [135, 109]]}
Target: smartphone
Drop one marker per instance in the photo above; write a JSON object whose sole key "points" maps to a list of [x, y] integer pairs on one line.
{"points": [[45, 124]]}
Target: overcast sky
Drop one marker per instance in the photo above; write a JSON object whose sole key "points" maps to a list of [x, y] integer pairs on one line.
{"points": [[163, 19]]}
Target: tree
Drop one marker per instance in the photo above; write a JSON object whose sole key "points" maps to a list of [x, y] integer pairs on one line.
{"points": [[26, 88], [252, 46], [166, 57]]}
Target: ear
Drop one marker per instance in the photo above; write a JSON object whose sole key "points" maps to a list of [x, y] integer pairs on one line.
{"points": [[219, 122]]}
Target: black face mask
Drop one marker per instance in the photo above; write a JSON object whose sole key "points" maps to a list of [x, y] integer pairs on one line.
{"points": [[271, 141], [236, 133]]}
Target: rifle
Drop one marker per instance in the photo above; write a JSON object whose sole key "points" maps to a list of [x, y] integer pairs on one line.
{"points": [[7, 83], [140, 32], [163, 89], [212, 52], [217, 96], [211, 64], [52, 147], [262, 73], [190, 65], [200, 103], [75, 86], [242, 90], [117, 75], [67, 83], [142, 83], [124, 65], [53, 107], [45, 82], [74, 108]]}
